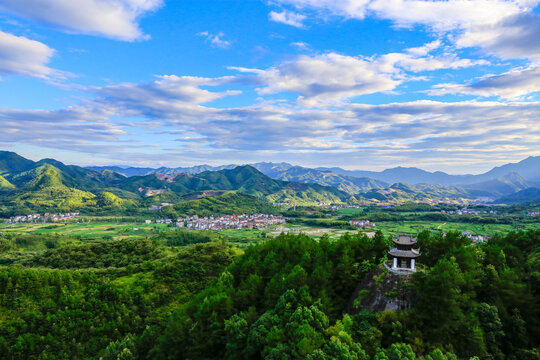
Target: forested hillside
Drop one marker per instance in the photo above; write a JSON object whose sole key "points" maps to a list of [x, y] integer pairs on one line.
{"points": [[49, 185], [285, 298]]}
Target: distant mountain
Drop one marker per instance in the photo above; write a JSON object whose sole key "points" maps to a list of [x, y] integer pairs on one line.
{"points": [[504, 185], [426, 193], [410, 175], [348, 184], [353, 181], [529, 169], [278, 171], [49, 184], [244, 178], [137, 171], [527, 196]]}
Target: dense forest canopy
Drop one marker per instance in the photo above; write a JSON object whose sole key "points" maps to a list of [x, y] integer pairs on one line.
{"points": [[285, 298]]}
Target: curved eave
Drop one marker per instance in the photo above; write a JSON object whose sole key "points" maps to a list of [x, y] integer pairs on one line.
{"points": [[404, 254], [397, 242]]}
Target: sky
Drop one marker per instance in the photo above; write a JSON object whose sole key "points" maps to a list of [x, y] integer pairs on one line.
{"points": [[361, 84]]}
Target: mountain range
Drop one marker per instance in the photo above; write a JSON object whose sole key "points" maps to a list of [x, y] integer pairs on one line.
{"points": [[49, 184], [498, 182]]}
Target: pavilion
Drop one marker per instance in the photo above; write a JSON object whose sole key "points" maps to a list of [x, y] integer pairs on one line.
{"points": [[403, 254]]}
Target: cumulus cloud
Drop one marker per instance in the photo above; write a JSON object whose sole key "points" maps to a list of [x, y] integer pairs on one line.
{"points": [[324, 78], [331, 78], [162, 98], [288, 18], [22, 56], [116, 19], [509, 85], [515, 36], [216, 40], [419, 59]]}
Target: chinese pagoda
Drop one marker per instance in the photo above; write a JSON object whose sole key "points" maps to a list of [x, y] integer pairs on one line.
{"points": [[403, 253]]}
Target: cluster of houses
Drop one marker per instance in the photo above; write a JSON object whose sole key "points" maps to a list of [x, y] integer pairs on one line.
{"points": [[42, 218], [364, 224], [533, 213], [475, 238], [231, 221], [223, 222], [466, 211], [339, 206]]}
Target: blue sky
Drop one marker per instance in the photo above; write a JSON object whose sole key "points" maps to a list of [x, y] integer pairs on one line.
{"points": [[362, 84]]}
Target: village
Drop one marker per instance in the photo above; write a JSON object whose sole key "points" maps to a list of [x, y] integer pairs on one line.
{"points": [[364, 224], [39, 218], [224, 222], [467, 211]]}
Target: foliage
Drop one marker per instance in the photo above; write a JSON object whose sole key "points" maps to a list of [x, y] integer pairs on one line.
{"points": [[75, 314], [229, 203]]}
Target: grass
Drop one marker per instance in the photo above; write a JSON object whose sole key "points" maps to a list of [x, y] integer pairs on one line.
{"points": [[392, 227], [115, 230]]}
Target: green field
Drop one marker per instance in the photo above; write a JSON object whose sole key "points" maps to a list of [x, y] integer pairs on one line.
{"points": [[392, 227], [92, 230]]}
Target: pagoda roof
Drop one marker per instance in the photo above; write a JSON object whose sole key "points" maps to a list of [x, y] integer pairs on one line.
{"points": [[404, 240], [404, 253]]}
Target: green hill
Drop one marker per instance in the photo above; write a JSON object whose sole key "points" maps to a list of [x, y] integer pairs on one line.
{"points": [[245, 179], [228, 203], [51, 185], [5, 185], [11, 162], [426, 193]]}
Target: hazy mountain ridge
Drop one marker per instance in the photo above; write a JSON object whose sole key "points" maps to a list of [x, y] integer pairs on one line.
{"points": [[499, 181], [527, 196]]}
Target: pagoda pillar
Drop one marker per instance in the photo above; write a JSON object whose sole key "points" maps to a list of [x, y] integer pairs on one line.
{"points": [[394, 266], [412, 264]]}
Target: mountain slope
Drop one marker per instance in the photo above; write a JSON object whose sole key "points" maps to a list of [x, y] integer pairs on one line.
{"points": [[229, 203], [5, 185], [348, 184], [528, 168], [527, 196], [44, 187], [11, 162], [504, 185], [426, 193], [245, 178]]}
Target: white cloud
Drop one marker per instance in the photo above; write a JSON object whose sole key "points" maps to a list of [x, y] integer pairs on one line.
{"points": [[346, 8], [419, 59], [116, 19], [354, 135], [506, 28], [162, 98], [216, 40], [300, 45], [22, 56], [324, 78], [288, 18], [516, 36], [510, 85]]}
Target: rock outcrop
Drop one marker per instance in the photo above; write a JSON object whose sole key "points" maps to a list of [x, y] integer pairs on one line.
{"points": [[381, 290]]}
